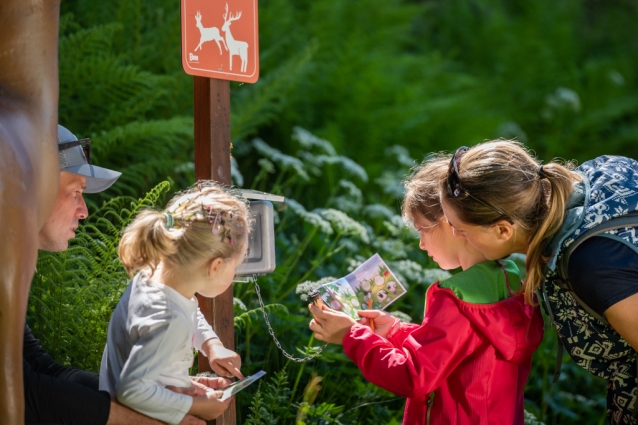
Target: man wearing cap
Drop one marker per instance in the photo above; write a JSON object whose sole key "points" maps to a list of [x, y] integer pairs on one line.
{"points": [[56, 394]]}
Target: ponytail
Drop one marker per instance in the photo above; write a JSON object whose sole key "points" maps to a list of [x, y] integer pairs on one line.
{"points": [[557, 182], [503, 177], [200, 224], [145, 242]]}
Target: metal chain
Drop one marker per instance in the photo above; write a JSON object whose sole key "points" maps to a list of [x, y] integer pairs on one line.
{"points": [[272, 333]]}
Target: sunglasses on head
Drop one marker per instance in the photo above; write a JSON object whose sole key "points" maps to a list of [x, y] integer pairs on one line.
{"points": [[454, 187], [85, 143]]}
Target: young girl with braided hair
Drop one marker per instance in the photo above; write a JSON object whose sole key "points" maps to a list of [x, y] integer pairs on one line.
{"points": [[577, 227], [192, 246], [468, 361]]}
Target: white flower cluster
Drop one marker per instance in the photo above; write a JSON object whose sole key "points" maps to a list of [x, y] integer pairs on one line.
{"points": [[239, 303], [311, 218], [401, 154], [355, 262], [408, 270], [530, 419], [284, 161], [395, 225], [307, 140], [344, 224], [347, 165], [304, 288], [266, 165], [378, 211], [395, 247], [402, 316], [563, 99], [352, 200], [235, 174], [434, 275], [391, 183], [352, 191]]}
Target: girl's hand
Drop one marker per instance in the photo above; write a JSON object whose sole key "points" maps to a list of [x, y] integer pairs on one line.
{"points": [[200, 385], [330, 325], [208, 406], [206, 384], [223, 361], [383, 321], [193, 390]]}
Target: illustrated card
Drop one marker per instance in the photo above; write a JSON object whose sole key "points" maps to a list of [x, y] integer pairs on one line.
{"points": [[371, 285]]}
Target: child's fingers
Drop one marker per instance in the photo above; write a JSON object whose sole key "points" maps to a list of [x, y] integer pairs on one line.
{"points": [[213, 383], [319, 336], [227, 368], [231, 370], [369, 314], [314, 325]]}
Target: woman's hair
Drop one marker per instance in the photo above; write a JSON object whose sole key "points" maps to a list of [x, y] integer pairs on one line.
{"points": [[204, 222], [422, 189], [503, 175]]}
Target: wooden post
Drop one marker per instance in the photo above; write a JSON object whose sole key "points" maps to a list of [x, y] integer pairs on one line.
{"points": [[212, 162]]}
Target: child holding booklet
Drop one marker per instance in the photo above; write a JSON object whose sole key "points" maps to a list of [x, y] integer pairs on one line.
{"points": [[193, 246], [469, 360]]}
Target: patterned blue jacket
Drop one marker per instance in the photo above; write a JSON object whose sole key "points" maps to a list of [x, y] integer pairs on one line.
{"points": [[609, 189]]}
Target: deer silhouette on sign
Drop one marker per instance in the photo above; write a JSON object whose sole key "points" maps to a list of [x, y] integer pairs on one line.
{"points": [[208, 34], [235, 47]]}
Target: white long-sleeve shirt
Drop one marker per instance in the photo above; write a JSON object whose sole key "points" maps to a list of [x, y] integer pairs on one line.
{"points": [[150, 342]]}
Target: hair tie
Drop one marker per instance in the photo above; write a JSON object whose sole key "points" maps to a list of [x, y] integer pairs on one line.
{"points": [[540, 172], [169, 220], [216, 225]]}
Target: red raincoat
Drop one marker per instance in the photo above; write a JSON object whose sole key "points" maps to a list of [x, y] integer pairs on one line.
{"points": [[475, 358]]}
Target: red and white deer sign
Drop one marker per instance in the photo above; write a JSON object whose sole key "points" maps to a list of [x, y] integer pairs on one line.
{"points": [[210, 20]]}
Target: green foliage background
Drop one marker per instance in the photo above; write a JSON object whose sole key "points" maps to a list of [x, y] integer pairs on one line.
{"points": [[385, 82]]}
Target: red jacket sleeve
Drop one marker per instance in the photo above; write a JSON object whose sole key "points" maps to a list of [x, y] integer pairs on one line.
{"points": [[424, 359], [400, 334]]}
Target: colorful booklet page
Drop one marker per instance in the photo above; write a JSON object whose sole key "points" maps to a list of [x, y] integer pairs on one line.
{"points": [[372, 280]]}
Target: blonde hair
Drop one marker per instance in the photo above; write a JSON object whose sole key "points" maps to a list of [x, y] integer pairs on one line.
{"points": [[207, 223], [505, 175], [422, 189]]}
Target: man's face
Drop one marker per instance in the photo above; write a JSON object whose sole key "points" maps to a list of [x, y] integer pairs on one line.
{"points": [[69, 207]]}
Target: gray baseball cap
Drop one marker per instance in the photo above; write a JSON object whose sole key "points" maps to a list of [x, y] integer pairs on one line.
{"points": [[73, 159]]}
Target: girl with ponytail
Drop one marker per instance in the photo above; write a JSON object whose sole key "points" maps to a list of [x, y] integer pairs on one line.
{"points": [[504, 201], [192, 246]]}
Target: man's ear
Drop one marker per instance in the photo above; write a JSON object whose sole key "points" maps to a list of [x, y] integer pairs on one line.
{"points": [[504, 230], [214, 266]]}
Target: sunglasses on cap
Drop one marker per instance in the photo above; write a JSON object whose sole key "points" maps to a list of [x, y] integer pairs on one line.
{"points": [[86, 147], [454, 187]]}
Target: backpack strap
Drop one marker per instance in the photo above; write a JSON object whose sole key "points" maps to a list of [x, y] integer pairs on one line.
{"points": [[629, 220]]}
